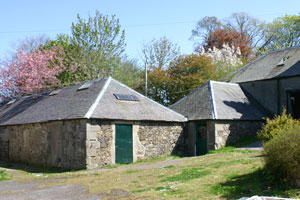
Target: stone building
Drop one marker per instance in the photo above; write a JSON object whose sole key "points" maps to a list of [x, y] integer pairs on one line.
{"points": [[88, 125], [220, 113]]}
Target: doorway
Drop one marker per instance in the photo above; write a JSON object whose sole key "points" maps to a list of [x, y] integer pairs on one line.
{"points": [[294, 102], [201, 138], [123, 143]]}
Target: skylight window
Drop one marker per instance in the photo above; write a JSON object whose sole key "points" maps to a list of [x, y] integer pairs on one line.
{"points": [[283, 61], [85, 86], [127, 97], [54, 92], [11, 102]]}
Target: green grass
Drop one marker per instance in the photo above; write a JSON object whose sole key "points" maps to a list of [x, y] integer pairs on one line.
{"points": [[132, 171], [187, 175], [168, 167], [156, 159], [229, 149], [257, 182], [4, 176], [227, 174], [244, 141], [232, 147]]}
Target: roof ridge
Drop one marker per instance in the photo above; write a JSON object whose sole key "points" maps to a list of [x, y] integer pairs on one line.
{"points": [[97, 100], [245, 66], [164, 107], [224, 83], [212, 100]]}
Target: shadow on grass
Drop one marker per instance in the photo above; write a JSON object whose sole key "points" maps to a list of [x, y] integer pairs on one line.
{"points": [[259, 182], [244, 141], [33, 169]]}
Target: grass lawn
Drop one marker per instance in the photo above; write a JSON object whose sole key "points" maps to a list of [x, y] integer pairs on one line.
{"points": [[4, 176], [223, 174]]}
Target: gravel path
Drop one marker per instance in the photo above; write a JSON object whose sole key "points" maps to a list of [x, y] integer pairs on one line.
{"points": [[11, 190]]}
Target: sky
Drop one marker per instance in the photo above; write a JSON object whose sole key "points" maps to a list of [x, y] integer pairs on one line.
{"points": [[142, 20]]}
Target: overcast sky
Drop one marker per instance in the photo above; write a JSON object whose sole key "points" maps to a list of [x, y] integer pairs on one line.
{"points": [[142, 20]]}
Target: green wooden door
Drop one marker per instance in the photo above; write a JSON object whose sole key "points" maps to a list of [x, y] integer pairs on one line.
{"points": [[201, 138], [123, 143]]}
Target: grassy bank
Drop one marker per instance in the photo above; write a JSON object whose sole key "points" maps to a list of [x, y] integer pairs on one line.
{"points": [[226, 174]]}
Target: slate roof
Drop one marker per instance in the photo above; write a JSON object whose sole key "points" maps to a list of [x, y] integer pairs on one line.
{"points": [[97, 101], [220, 100], [196, 105], [266, 66]]}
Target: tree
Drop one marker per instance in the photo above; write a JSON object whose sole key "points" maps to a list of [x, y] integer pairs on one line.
{"points": [[28, 44], [75, 69], [283, 32], [205, 26], [31, 43], [30, 72], [187, 73], [246, 25], [128, 72], [93, 50], [159, 52], [232, 38], [227, 59], [249, 28], [101, 42]]}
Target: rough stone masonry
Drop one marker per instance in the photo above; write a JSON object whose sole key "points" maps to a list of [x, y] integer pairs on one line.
{"points": [[85, 143]]}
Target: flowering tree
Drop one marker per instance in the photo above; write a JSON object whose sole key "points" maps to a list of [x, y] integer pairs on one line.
{"points": [[233, 39], [30, 72], [227, 59]]}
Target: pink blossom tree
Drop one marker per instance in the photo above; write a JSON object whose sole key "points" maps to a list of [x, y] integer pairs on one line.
{"points": [[30, 72]]}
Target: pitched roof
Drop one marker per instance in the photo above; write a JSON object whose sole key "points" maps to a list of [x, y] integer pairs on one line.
{"points": [[196, 105], [220, 100], [94, 99], [277, 64]]}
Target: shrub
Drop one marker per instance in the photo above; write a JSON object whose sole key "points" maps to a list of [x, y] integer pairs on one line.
{"points": [[282, 154], [279, 124]]}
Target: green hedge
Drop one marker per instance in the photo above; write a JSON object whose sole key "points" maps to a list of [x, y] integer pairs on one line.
{"points": [[279, 124], [282, 154]]}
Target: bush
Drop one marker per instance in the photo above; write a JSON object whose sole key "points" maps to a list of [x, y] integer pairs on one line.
{"points": [[282, 154], [279, 124]]}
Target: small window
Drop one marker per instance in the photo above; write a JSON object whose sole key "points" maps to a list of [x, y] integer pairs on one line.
{"points": [[127, 97], [11, 101], [54, 92], [283, 61]]}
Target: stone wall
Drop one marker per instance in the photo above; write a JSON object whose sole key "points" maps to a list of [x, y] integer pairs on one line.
{"points": [[4, 144], [221, 133], [211, 136], [100, 143], [191, 138], [56, 144], [159, 139], [150, 139], [227, 132]]}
